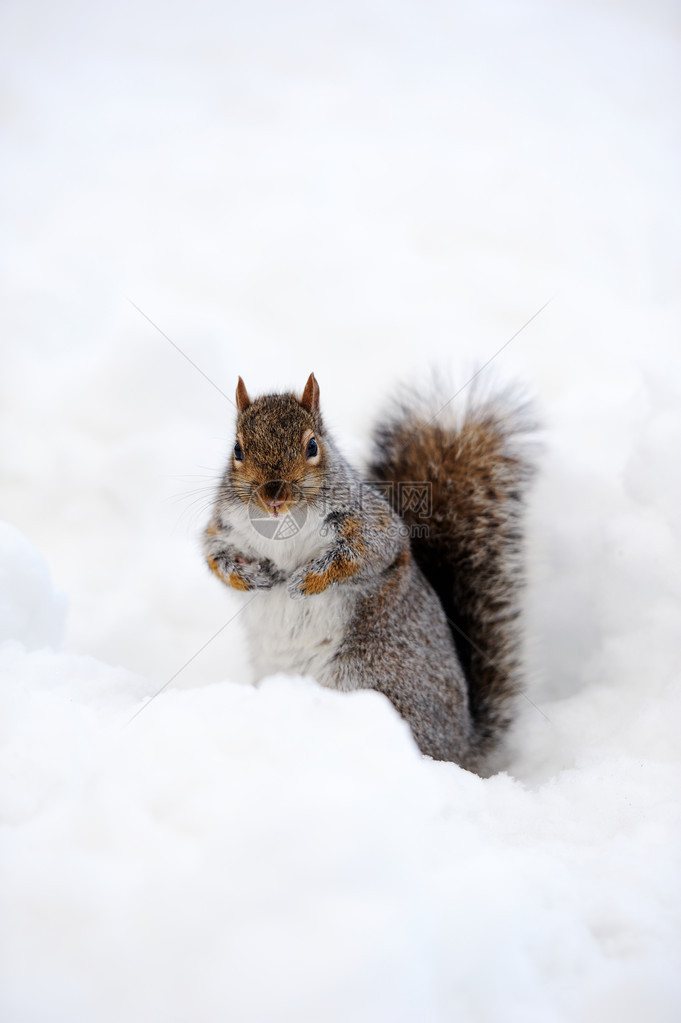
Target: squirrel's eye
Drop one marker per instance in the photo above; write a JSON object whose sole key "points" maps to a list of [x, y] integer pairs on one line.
{"points": [[238, 452], [311, 450]]}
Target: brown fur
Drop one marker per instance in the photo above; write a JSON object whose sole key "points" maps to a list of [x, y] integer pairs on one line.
{"points": [[237, 583], [479, 471], [242, 399], [339, 570], [233, 579], [310, 398], [270, 431]]}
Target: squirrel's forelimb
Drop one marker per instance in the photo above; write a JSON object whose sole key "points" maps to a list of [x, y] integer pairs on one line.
{"points": [[232, 567], [358, 548]]}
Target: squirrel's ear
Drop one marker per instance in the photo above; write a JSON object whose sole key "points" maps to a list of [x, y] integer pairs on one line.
{"points": [[242, 399], [310, 398]]}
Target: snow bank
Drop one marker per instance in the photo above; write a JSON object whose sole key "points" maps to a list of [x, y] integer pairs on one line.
{"points": [[286, 853], [363, 190], [31, 610]]}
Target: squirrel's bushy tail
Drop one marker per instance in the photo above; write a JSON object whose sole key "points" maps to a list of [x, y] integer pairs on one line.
{"points": [[478, 465]]}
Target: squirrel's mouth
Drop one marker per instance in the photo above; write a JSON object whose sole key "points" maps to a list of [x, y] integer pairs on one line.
{"points": [[276, 497], [277, 510]]}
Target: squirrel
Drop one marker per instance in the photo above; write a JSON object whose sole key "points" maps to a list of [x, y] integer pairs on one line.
{"points": [[418, 600]]}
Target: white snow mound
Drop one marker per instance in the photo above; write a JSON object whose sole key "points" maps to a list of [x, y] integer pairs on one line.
{"points": [[32, 612]]}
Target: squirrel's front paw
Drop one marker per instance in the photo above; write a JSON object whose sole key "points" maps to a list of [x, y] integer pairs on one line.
{"points": [[241, 574], [260, 575], [307, 581]]}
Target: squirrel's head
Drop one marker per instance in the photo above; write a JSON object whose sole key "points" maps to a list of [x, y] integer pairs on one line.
{"points": [[279, 452]]}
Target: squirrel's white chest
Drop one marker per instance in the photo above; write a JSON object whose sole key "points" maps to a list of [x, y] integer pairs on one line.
{"points": [[296, 637]]}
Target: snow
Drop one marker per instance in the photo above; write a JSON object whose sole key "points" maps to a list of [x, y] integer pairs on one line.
{"points": [[366, 190]]}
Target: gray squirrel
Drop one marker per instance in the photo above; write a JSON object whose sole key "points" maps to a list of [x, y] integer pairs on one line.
{"points": [[408, 585]]}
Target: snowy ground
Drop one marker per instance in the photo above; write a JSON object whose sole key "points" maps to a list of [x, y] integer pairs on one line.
{"points": [[364, 189]]}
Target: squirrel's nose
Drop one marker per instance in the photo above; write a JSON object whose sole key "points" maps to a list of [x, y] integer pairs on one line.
{"points": [[273, 494]]}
